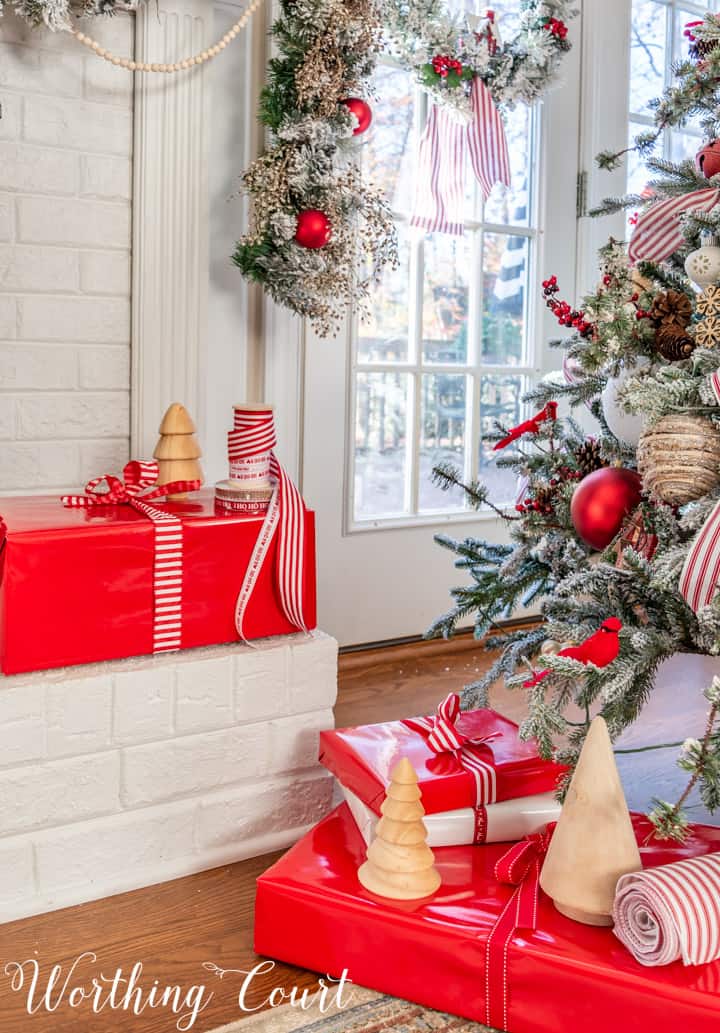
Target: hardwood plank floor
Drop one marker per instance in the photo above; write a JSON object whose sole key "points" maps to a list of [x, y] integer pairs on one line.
{"points": [[176, 927]]}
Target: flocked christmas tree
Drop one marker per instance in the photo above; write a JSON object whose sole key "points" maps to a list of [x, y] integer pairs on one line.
{"points": [[613, 534]]}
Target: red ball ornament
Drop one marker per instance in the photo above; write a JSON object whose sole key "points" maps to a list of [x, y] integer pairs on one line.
{"points": [[707, 159], [601, 502], [362, 112], [314, 229]]}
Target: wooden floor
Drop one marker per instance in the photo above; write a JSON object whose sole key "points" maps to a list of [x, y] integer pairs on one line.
{"points": [[176, 927]]}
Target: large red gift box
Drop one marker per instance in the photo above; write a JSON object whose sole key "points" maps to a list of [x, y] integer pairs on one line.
{"points": [[362, 758], [312, 911], [76, 585]]}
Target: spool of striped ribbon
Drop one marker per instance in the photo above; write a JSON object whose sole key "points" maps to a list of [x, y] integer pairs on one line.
{"points": [[251, 449], [671, 913]]}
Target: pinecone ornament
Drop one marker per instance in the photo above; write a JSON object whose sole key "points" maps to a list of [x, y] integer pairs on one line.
{"points": [[671, 307], [674, 343], [544, 499], [588, 457]]}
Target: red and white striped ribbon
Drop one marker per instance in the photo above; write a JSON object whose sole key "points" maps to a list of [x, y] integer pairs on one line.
{"points": [[250, 444], [658, 231], [671, 913], [701, 571], [443, 736], [713, 382], [137, 488], [440, 192], [254, 434]]}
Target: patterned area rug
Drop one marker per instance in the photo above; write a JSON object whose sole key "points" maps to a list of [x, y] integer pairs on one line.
{"points": [[367, 1012]]}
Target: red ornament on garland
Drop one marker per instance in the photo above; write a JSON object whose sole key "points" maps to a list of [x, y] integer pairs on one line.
{"points": [[601, 502], [362, 112], [314, 229], [707, 159]]}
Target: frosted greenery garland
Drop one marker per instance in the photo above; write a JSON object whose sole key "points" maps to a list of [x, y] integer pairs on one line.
{"points": [[520, 69], [56, 14]]}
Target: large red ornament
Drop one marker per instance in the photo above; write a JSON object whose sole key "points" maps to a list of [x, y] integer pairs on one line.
{"points": [[601, 502], [362, 112], [707, 159], [314, 229]]}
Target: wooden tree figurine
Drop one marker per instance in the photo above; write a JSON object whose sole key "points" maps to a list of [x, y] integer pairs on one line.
{"points": [[594, 843], [400, 865], [177, 451]]}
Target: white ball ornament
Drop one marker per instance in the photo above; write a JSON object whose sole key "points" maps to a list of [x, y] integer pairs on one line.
{"points": [[703, 265], [626, 426]]}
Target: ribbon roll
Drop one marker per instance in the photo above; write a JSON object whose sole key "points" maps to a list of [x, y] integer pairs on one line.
{"points": [[253, 436], [136, 490], [443, 736], [658, 231], [519, 867], [671, 913], [440, 192], [250, 444]]}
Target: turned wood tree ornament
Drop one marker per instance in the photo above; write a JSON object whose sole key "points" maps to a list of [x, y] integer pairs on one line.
{"points": [[400, 865], [177, 452], [593, 843]]}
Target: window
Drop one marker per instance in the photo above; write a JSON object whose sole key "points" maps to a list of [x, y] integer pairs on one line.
{"points": [[449, 346], [657, 42]]}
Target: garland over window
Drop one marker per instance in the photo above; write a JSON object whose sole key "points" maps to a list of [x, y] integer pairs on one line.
{"points": [[319, 235]]}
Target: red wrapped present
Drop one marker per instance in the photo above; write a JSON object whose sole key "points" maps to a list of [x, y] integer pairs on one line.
{"points": [[480, 948], [462, 760], [80, 584]]}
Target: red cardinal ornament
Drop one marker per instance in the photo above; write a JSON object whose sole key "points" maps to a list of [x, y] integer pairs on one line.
{"points": [[531, 426], [600, 649], [707, 159], [601, 502], [362, 112], [314, 229]]}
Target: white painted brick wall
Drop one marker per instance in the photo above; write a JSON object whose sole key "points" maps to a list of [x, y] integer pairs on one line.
{"points": [[120, 775], [65, 236]]}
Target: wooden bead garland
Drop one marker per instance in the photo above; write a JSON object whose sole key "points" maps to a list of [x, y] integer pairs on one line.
{"points": [[175, 66], [679, 458]]}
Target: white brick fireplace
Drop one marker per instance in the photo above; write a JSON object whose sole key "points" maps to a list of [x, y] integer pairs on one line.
{"points": [[125, 774]]}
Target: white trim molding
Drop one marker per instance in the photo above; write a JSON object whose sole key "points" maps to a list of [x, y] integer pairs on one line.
{"points": [[170, 219]]}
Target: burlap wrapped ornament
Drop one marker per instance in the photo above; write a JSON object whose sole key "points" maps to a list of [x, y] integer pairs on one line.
{"points": [[679, 458]]}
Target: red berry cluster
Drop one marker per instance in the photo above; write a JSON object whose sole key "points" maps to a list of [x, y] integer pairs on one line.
{"points": [[565, 315], [556, 28], [544, 502], [443, 63], [532, 505]]}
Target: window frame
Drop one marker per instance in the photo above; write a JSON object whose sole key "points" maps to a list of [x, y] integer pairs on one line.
{"points": [[473, 369]]}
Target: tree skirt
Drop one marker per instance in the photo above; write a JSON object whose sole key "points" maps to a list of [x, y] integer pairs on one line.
{"points": [[367, 1012]]}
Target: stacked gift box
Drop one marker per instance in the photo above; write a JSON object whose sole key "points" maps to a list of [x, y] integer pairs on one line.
{"points": [[489, 945]]}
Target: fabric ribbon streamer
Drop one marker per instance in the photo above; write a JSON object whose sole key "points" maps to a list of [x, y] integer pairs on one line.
{"points": [[658, 231], [440, 193], [713, 382], [251, 444], [701, 571], [531, 426], [444, 737], [136, 489], [519, 867], [671, 913]]}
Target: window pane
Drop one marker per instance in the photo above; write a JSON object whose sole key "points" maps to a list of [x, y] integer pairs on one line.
{"points": [[443, 428], [383, 404], [388, 154], [500, 399], [448, 261], [383, 336], [505, 273], [512, 205], [684, 145], [637, 170], [647, 54]]}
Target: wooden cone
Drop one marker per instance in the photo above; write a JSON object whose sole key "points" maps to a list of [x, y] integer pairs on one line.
{"points": [[177, 451], [593, 843], [400, 865]]}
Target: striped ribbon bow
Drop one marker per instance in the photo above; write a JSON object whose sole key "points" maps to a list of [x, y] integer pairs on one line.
{"points": [[138, 476], [136, 490], [658, 231], [519, 867], [443, 736], [440, 192], [253, 438]]}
